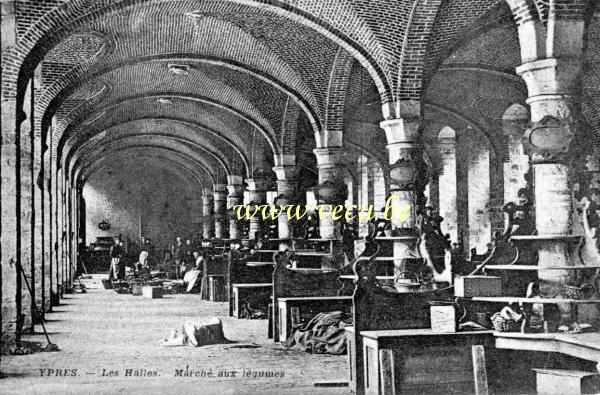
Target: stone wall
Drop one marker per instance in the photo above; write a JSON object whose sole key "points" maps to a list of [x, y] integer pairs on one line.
{"points": [[115, 194]]}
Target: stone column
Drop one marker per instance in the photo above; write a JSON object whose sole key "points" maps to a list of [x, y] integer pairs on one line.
{"points": [[235, 197], [25, 242], [287, 193], [407, 182], [220, 206], [10, 215], [478, 186], [47, 234], [332, 191], [447, 187], [553, 85], [207, 214], [257, 187], [516, 164]]}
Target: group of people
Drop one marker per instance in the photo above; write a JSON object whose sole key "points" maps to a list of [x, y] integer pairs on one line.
{"points": [[179, 259], [188, 256]]}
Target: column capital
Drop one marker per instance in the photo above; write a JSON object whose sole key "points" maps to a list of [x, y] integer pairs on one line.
{"points": [[235, 180], [401, 130], [551, 84], [207, 193], [257, 184], [219, 188], [286, 173], [329, 157]]}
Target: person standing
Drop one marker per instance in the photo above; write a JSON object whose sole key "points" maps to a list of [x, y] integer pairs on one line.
{"points": [[179, 253], [116, 253]]}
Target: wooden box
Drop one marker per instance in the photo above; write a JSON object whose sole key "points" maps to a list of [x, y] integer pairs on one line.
{"points": [[472, 286], [152, 292], [217, 291], [443, 319], [136, 289], [565, 382]]}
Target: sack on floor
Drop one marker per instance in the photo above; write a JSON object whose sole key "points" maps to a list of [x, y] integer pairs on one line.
{"points": [[197, 333], [324, 334], [192, 279]]}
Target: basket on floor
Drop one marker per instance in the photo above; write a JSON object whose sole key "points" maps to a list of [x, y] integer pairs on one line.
{"points": [[573, 292], [501, 324]]}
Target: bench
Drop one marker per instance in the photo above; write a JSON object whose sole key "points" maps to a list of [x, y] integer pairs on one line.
{"points": [[380, 307], [240, 272], [255, 296], [422, 361], [309, 290]]}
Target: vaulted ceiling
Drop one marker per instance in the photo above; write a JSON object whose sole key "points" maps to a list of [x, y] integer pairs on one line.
{"points": [[234, 85]]}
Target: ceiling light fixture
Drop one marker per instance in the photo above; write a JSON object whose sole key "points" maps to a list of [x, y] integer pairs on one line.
{"points": [[179, 69]]}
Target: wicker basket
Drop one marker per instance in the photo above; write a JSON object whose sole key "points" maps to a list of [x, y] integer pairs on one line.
{"points": [[501, 324], [573, 292]]}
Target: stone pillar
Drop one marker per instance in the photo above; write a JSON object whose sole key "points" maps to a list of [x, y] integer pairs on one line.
{"points": [[26, 210], [516, 164], [38, 229], [287, 193], [332, 191], [447, 187], [478, 176], [220, 206], [9, 218], [55, 293], [258, 195], [407, 181], [47, 234], [9, 172], [61, 232], [207, 214], [235, 197], [553, 85]]}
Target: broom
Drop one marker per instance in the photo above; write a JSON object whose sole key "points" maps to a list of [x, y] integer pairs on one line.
{"points": [[50, 346]]}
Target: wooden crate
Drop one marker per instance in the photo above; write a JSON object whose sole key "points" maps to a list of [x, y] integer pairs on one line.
{"points": [[472, 286], [136, 289], [566, 382], [443, 319], [152, 292]]}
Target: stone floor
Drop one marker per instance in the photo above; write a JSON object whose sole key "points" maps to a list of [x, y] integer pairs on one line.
{"points": [[102, 332]]}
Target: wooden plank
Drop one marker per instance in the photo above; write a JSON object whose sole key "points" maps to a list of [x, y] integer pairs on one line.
{"points": [[331, 384], [536, 267], [393, 333], [314, 298], [429, 389], [515, 299], [386, 370], [479, 371], [441, 376], [260, 285]]}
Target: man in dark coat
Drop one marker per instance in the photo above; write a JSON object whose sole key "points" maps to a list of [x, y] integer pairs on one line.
{"points": [[179, 254]]}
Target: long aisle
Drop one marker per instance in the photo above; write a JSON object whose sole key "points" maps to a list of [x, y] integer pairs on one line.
{"points": [[111, 342]]}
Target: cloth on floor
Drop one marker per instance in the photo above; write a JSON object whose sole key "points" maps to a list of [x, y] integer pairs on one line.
{"points": [[192, 279], [246, 311], [196, 334], [324, 334]]}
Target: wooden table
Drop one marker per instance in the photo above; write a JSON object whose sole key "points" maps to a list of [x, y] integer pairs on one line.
{"points": [[423, 361], [581, 345], [256, 295], [289, 308]]}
